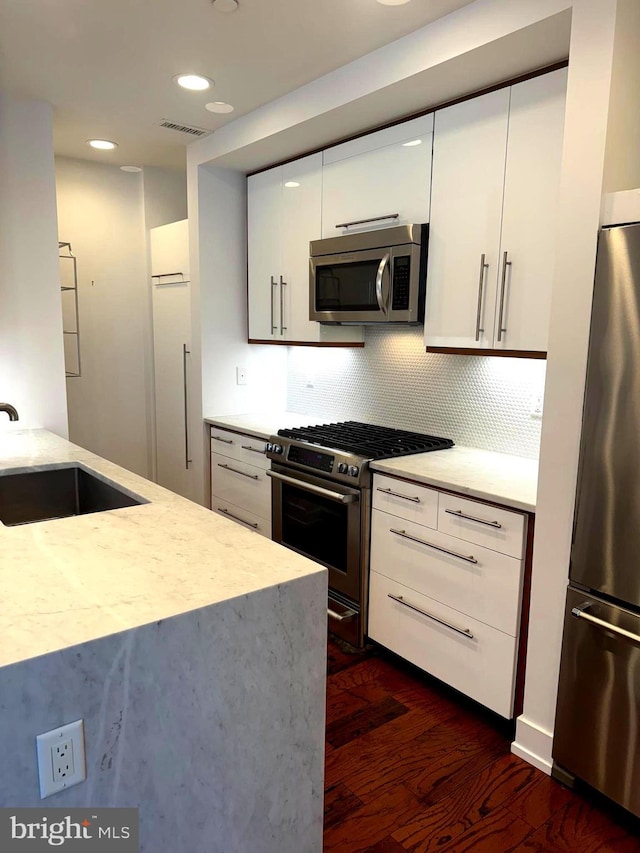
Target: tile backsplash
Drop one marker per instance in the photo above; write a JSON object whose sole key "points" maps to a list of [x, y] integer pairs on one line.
{"points": [[477, 401]]}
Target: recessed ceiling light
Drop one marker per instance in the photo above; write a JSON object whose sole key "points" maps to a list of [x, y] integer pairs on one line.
{"points": [[292, 184], [225, 5], [393, 2], [131, 168], [412, 143], [193, 82], [219, 107], [102, 144]]}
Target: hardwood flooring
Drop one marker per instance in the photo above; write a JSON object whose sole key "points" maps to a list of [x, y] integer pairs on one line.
{"points": [[412, 766]]}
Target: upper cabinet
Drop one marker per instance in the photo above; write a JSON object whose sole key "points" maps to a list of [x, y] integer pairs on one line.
{"points": [[170, 251], [284, 214], [378, 176], [496, 172]]}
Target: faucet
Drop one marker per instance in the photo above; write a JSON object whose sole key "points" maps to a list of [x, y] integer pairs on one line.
{"points": [[10, 410]]}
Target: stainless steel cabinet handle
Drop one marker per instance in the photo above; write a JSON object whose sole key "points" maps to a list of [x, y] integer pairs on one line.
{"points": [[483, 267], [235, 471], [579, 613], [460, 514], [398, 495], [379, 274], [274, 328], [464, 631], [317, 490], [185, 353], [406, 535], [340, 617], [366, 221], [223, 440], [283, 284], [503, 287], [255, 525], [254, 449], [167, 275]]}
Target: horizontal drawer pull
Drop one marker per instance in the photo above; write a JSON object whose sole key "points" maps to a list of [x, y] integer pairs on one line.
{"points": [[367, 221], [255, 525], [461, 514], [340, 617], [223, 440], [235, 471], [405, 535], [254, 449], [464, 631], [415, 500]]}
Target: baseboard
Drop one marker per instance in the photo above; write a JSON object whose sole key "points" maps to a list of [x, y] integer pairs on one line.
{"points": [[533, 744]]}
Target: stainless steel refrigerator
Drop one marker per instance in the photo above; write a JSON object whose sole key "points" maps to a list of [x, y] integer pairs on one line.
{"points": [[597, 732]]}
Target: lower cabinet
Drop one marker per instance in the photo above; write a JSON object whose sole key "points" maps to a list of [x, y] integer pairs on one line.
{"points": [[240, 488], [446, 587]]}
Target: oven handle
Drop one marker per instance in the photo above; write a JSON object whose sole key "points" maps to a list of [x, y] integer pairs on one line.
{"points": [[340, 617], [317, 490], [380, 273]]}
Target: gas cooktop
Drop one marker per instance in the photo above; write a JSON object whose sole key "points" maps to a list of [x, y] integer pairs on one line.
{"points": [[366, 440]]}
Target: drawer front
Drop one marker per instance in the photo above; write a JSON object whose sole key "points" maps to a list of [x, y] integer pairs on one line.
{"points": [[243, 447], [241, 484], [406, 500], [498, 529], [236, 513], [482, 666], [464, 576]]}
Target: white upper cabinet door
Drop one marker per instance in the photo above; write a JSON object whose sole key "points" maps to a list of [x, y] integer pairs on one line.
{"points": [[264, 202], [469, 153], [532, 177], [170, 251], [382, 173]]}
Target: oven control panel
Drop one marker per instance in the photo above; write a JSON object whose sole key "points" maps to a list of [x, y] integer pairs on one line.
{"points": [[311, 458]]}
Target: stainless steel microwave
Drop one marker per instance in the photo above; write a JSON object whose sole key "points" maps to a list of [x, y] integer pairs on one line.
{"points": [[371, 277]]}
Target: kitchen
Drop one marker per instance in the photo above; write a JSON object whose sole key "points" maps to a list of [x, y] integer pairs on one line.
{"points": [[215, 189]]}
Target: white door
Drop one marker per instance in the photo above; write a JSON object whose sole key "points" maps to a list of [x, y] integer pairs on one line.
{"points": [[171, 338], [464, 234], [527, 251], [264, 200]]}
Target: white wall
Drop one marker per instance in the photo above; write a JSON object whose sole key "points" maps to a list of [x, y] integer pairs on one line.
{"points": [[31, 348], [165, 195]]}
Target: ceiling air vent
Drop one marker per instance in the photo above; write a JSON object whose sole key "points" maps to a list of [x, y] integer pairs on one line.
{"points": [[184, 128]]}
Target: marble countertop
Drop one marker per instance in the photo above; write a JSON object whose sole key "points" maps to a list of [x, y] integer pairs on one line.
{"points": [[264, 424], [72, 580], [499, 477]]}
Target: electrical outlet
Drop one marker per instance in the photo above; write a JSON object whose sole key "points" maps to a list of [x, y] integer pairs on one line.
{"points": [[61, 760], [241, 375], [536, 405], [310, 380]]}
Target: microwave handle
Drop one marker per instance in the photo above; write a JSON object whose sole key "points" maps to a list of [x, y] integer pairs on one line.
{"points": [[381, 305]]}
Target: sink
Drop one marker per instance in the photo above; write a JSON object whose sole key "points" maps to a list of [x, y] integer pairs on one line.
{"points": [[57, 493]]}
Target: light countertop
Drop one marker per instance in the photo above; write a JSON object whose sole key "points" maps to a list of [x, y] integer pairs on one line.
{"points": [[264, 424], [71, 580]]}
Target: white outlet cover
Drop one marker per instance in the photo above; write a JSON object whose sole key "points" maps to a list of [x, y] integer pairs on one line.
{"points": [[61, 758]]}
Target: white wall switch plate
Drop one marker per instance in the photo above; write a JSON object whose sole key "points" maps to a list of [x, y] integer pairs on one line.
{"points": [[536, 405], [61, 761], [241, 375]]}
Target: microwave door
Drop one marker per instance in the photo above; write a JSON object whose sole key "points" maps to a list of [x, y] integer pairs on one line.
{"points": [[350, 288]]}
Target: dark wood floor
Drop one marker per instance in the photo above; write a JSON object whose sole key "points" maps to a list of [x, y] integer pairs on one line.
{"points": [[412, 767]]}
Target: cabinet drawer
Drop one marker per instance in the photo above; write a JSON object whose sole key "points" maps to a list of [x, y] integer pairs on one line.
{"points": [[406, 500], [498, 529], [241, 484], [236, 513], [467, 577], [481, 666], [242, 447]]}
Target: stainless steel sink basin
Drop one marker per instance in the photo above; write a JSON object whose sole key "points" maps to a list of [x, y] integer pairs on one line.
{"points": [[57, 493]]}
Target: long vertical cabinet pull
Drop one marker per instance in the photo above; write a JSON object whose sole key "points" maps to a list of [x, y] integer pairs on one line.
{"points": [[503, 289], [283, 284], [185, 353], [483, 268], [274, 284]]}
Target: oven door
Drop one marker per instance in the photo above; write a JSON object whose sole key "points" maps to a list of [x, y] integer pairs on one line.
{"points": [[350, 288], [322, 520]]}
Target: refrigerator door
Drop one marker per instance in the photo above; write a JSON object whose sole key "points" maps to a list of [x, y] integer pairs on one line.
{"points": [[606, 540], [597, 731]]}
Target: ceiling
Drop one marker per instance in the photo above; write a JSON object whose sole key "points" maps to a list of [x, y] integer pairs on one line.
{"points": [[107, 68]]}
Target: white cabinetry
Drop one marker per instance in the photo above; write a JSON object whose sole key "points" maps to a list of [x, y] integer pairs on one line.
{"points": [[446, 586], [240, 488], [496, 170], [378, 175], [171, 344], [284, 214]]}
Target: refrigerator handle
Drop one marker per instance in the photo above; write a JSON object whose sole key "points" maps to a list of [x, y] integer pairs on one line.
{"points": [[580, 613]]}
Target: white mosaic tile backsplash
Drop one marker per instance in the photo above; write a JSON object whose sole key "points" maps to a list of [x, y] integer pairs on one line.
{"points": [[477, 401]]}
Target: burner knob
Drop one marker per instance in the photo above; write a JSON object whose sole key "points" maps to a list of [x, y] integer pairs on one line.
{"points": [[268, 447], [343, 468], [277, 448], [354, 470]]}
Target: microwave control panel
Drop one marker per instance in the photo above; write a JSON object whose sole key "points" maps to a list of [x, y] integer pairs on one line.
{"points": [[401, 276]]}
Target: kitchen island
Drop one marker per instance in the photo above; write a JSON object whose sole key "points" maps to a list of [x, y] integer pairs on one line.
{"points": [[193, 649]]}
